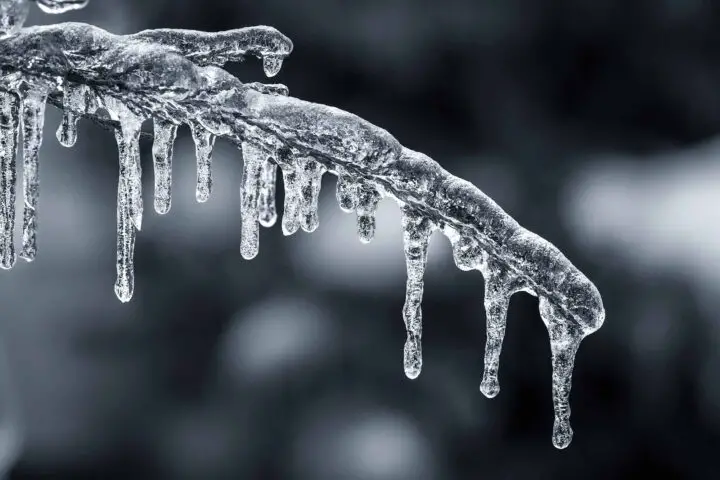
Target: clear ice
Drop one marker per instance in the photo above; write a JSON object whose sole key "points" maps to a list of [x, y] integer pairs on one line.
{"points": [[163, 143], [173, 77], [417, 229]]}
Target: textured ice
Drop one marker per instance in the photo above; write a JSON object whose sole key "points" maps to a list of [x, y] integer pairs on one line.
{"points": [[173, 77]]}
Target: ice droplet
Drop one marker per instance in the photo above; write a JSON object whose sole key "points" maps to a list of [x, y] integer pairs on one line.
{"points": [[272, 65]]}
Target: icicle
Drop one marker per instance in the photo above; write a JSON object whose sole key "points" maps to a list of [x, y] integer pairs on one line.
{"points": [[129, 208], [291, 210], [310, 182], [125, 283], [9, 130], [368, 199], [204, 142], [253, 158], [266, 201], [416, 235], [497, 301], [128, 139], [76, 100], [565, 338], [347, 191], [165, 133], [33, 120]]}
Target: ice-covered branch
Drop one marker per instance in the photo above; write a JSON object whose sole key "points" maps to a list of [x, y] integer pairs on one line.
{"points": [[172, 77]]}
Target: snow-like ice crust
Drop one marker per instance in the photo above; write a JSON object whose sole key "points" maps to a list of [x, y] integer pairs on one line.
{"points": [[175, 77]]}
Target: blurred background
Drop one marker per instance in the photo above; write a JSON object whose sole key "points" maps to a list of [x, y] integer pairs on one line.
{"points": [[593, 123]]}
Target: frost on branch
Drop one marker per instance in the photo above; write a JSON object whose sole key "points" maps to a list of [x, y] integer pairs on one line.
{"points": [[174, 77]]}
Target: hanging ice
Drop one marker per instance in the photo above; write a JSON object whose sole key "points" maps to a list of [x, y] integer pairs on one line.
{"points": [[129, 197], [266, 205], [291, 211], [75, 101], [204, 142], [416, 235], [368, 199], [9, 129], [173, 77], [253, 159], [165, 133], [33, 120], [347, 191], [310, 181]]}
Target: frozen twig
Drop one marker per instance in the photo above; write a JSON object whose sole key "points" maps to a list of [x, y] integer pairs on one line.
{"points": [[173, 77]]}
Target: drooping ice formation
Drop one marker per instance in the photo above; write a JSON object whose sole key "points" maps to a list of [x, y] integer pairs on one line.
{"points": [[253, 160], [33, 120], [9, 130], [204, 142], [173, 77], [266, 200], [165, 133], [417, 229]]}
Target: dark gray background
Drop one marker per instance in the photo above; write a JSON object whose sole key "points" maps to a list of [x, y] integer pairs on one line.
{"points": [[591, 122]]}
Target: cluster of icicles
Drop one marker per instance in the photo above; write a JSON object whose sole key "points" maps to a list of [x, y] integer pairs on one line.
{"points": [[483, 237]]}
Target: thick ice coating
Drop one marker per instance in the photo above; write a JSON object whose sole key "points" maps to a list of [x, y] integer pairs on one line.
{"points": [[172, 77]]}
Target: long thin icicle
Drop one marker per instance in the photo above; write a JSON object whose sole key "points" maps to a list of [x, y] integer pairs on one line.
{"points": [[416, 235], [129, 208], [310, 182], [565, 338], [204, 142], [266, 201], [497, 301], [9, 130], [165, 133], [33, 121], [253, 158]]}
